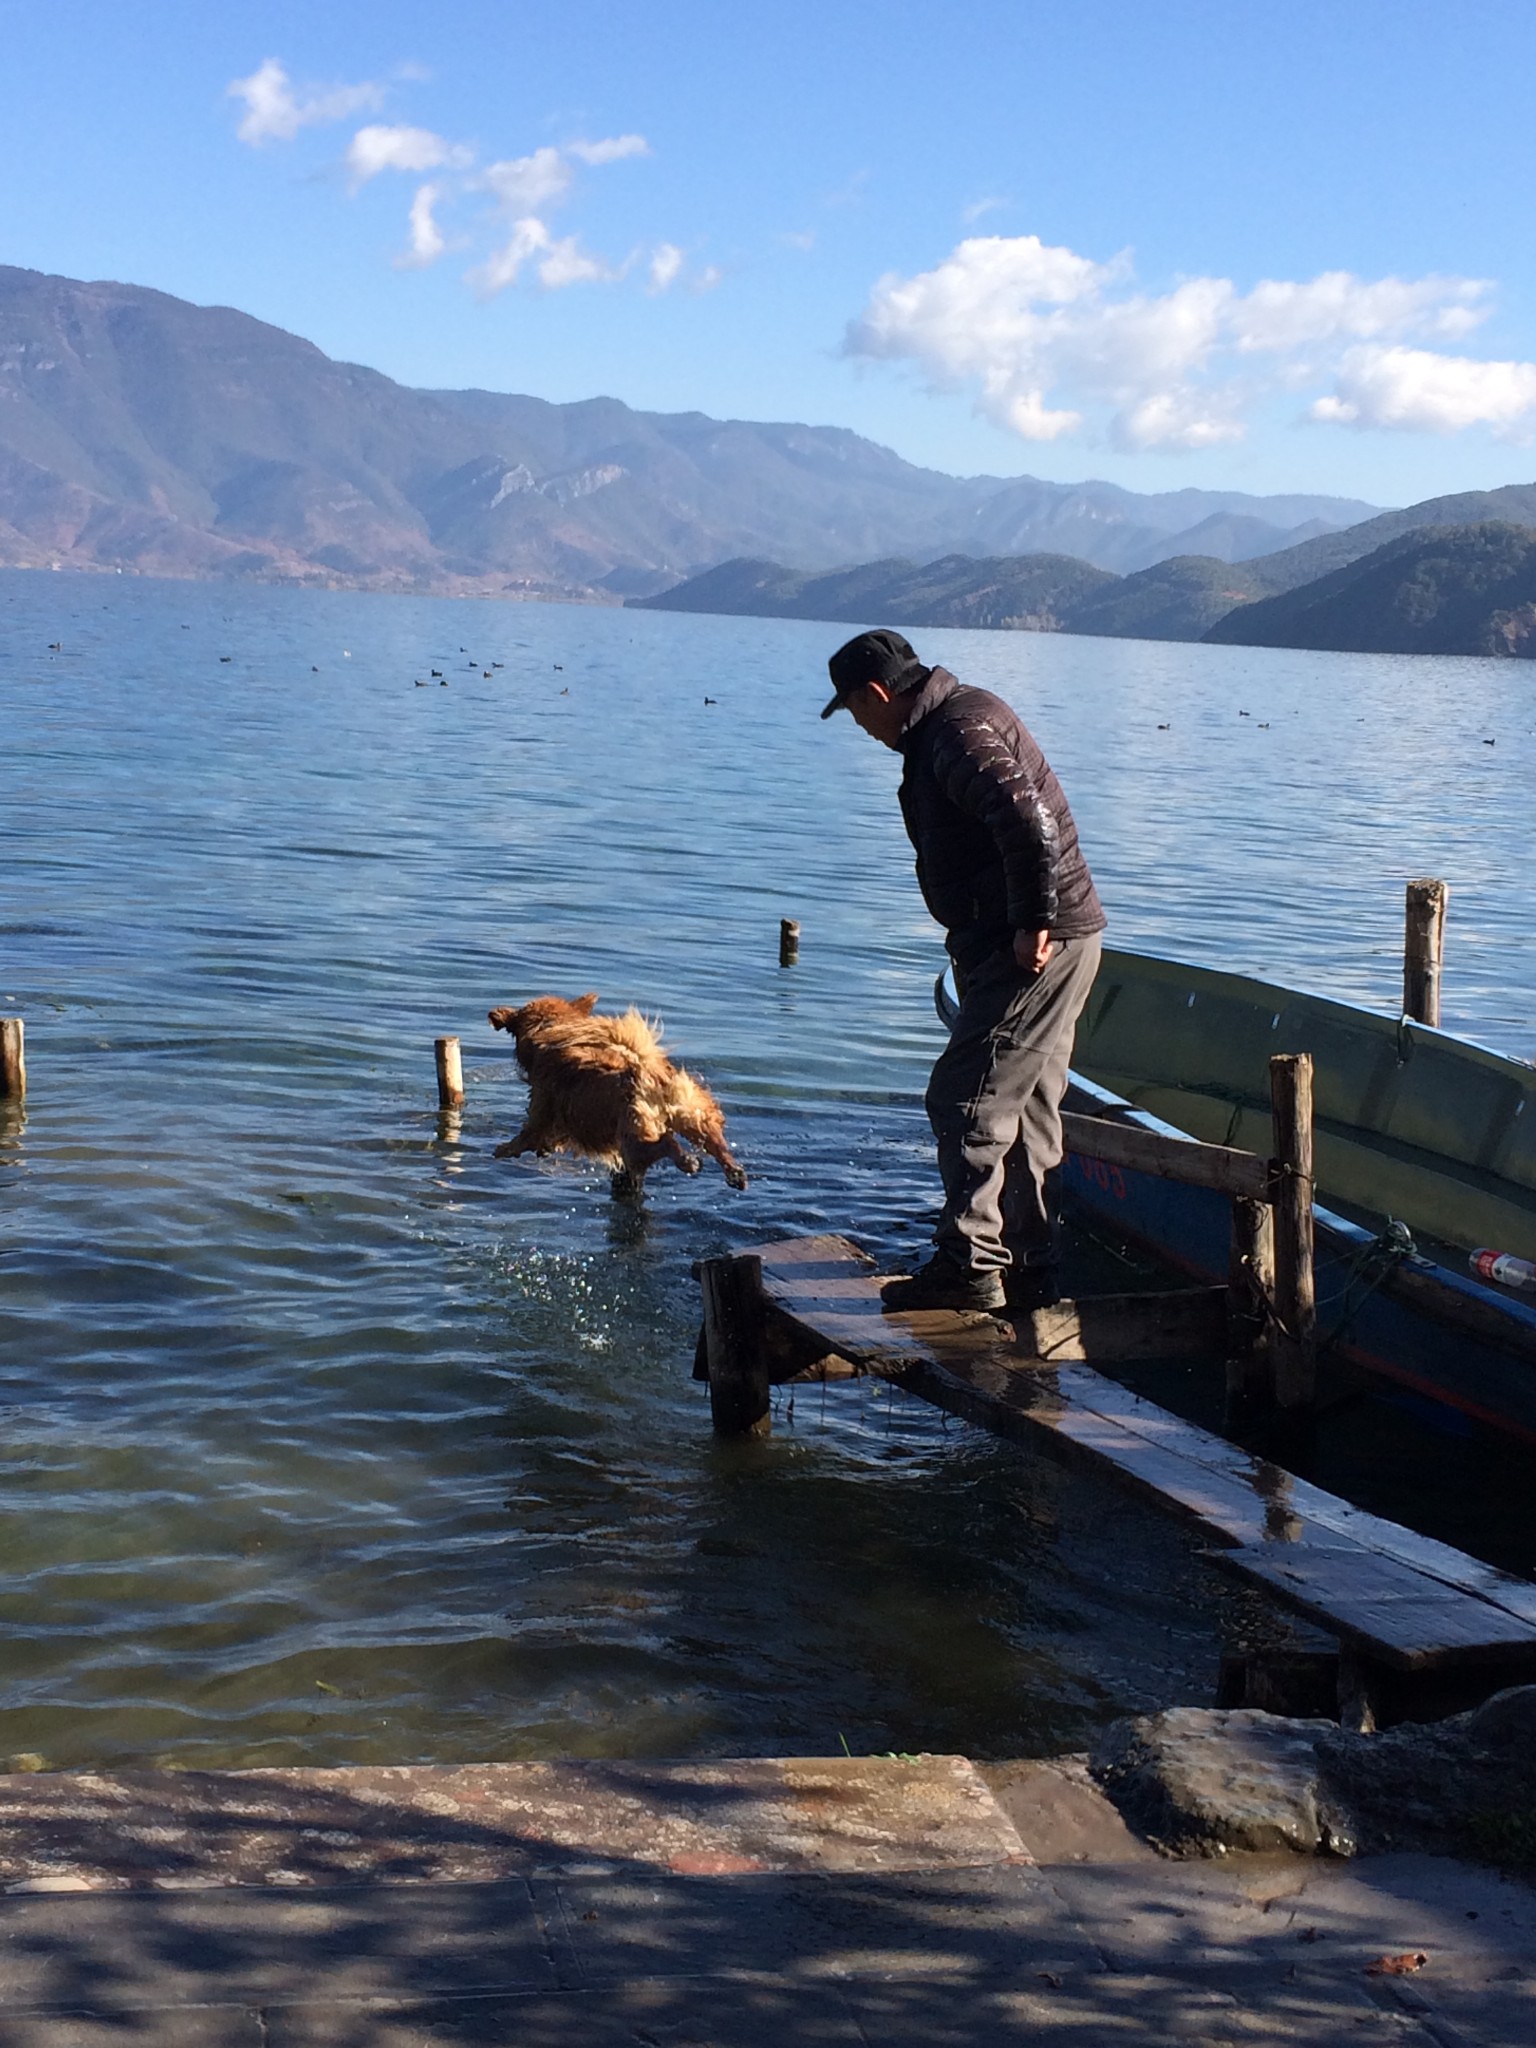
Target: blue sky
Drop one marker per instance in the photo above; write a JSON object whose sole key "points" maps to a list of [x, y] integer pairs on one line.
{"points": [[1256, 246]]}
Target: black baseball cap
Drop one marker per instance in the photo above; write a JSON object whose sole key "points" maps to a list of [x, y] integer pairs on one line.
{"points": [[878, 657]]}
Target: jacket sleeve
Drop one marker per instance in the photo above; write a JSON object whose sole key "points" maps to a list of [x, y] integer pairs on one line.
{"points": [[982, 776]]}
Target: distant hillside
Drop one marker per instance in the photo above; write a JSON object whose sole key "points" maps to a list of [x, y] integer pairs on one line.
{"points": [[1176, 600], [1440, 590], [1187, 597], [1030, 592], [1228, 537], [1293, 566], [142, 433]]}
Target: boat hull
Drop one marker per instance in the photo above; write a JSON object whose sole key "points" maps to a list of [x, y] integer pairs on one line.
{"points": [[1411, 1123]]}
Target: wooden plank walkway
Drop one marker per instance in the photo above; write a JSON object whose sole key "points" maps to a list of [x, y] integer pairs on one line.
{"points": [[1396, 1598]]}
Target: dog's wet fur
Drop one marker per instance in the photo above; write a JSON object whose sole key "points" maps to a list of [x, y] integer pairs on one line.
{"points": [[602, 1088]]}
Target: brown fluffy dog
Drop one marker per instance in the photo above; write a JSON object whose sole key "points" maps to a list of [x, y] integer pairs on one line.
{"points": [[603, 1088]]}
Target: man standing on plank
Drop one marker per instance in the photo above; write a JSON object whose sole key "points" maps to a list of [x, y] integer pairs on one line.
{"points": [[999, 867]]}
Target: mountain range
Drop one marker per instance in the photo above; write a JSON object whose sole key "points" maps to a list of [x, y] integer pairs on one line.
{"points": [[140, 432], [1465, 586]]}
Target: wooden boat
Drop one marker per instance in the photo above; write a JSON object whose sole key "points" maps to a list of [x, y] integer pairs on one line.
{"points": [[1414, 1127]]}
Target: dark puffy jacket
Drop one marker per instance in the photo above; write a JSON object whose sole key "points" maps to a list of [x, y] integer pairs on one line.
{"points": [[997, 850]]}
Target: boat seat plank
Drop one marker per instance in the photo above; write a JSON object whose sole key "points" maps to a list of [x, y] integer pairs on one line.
{"points": [[1181, 1159]]}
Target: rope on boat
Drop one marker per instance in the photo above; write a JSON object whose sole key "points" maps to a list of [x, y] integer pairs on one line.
{"points": [[1367, 1270]]}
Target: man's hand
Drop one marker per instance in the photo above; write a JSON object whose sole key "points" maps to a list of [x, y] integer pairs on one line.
{"points": [[1031, 950]]}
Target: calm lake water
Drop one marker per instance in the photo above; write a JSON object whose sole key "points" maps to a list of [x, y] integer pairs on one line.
{"points": [[324, 1441]]}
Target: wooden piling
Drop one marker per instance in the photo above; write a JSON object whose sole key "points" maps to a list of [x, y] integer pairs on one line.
{"points": [[450, 1074], [1250, 1297], [1293, 1337], [1424, 950], [789, 942], [735, 1351], [13, 1060]]}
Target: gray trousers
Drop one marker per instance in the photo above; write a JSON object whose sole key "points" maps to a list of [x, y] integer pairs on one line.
{"points": [[994, 1102]]}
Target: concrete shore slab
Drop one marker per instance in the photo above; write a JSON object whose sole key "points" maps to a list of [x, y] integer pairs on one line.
{"points": [[869, 1903], [90, 1831]]}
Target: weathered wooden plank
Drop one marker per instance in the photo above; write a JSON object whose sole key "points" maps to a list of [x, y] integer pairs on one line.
{"points": [[1117, 1328], [828, 1367], [967, 1366], [829, 1288], [1030, 1406], [1198, 1165], [1409, 1622], [1295, 1507]]}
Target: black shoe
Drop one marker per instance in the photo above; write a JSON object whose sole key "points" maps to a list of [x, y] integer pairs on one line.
{"points": [[1031, 1287], [942, 1284]]}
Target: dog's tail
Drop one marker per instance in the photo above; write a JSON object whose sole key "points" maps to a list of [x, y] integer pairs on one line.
{"points": [[637, 1034]]}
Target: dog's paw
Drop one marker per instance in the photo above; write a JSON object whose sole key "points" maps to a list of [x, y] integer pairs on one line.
{"points": [[689, 1163], [734, 1177], [511, 1150]]}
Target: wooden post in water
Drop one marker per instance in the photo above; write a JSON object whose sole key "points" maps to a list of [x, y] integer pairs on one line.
{"points": [[1293, 1337], [735, 1352], [450, 1074], [789, 942], [1424, 950], [1250, 1296], [13, 1060]]}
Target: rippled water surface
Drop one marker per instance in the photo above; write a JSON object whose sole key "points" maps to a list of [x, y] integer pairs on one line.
{"points": [[323, 1439]]}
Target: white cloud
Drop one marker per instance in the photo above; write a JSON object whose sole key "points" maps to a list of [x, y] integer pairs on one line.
{"points": [[1417, 391], [522, 190], [274, 112], [568, 263], [613, 149], [503, 266], [666, 262], [1338, 306], [379, 148], [1054, 343], [427, 240], [707, 279], [523, 184], [563, 263]]}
